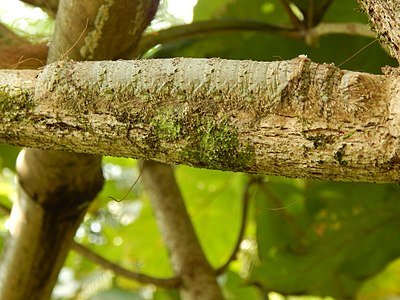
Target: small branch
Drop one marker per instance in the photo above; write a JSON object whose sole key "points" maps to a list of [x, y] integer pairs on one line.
{"points": [[293, 18], [187, 257], [353, 28], [236, 248], [199, 29], [168, 283]]}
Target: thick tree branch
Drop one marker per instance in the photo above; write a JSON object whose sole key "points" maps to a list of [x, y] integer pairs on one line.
{"points": [[293, 118], [385, 20]]}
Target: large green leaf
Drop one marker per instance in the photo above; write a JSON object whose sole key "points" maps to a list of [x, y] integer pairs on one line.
{"points": [[234, 288], [325, 238], [8, 155], [213, 199], [270, 11]]}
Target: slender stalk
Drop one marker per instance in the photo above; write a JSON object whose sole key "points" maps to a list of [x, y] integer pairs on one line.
{"points": [[187, 257], [118, 270]]}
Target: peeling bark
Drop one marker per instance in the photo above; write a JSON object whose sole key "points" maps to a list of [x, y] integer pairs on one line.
{"points": [[293, 118]]}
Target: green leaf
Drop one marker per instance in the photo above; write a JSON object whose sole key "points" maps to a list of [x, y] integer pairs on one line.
{"points": [[325, 238], [213, 198], [235, 288], [8, 155], [270, 11]]}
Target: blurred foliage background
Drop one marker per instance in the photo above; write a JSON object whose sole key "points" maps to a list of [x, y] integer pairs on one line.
{"points": [[303, 240]]}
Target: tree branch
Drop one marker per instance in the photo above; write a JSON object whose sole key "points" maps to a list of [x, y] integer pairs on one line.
{"points": [[169, 283], [385, 20], [354, 28], [242, 229], [293, 18], [200, 29], [117, 269], [187, 257], [293, 118]]}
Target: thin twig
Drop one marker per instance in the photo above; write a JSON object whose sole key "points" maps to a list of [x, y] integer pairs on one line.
{"points": [[131, 187], [169, 283], [236, 248], [280, 208]]}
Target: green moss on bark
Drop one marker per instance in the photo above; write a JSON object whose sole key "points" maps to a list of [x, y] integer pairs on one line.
{"points": [[206, 142], [14, 102], [215, 144]]}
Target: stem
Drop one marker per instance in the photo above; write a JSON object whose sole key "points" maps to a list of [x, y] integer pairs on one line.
{"points": [[293, 18], [118, 270], [187, 257]]}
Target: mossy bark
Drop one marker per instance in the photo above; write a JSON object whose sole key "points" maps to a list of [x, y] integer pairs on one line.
{"points": [[294, 118]]}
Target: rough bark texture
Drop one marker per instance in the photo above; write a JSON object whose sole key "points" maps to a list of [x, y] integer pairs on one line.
{"points": [[293, 118], [187, 257], [109, 28], [384, 18], [58, 186], [43, 221]]}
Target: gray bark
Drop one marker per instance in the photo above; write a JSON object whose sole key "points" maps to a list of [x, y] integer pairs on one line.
{"points": [[293, 118]]}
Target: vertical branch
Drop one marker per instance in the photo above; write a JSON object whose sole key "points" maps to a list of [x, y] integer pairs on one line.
{"points": [[57, 187], [187, 257], [54, 191]]}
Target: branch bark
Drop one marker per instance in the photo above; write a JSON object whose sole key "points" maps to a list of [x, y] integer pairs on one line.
{"points": [[56, 187], [187, 257], [385, 19], [293, 118]]}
